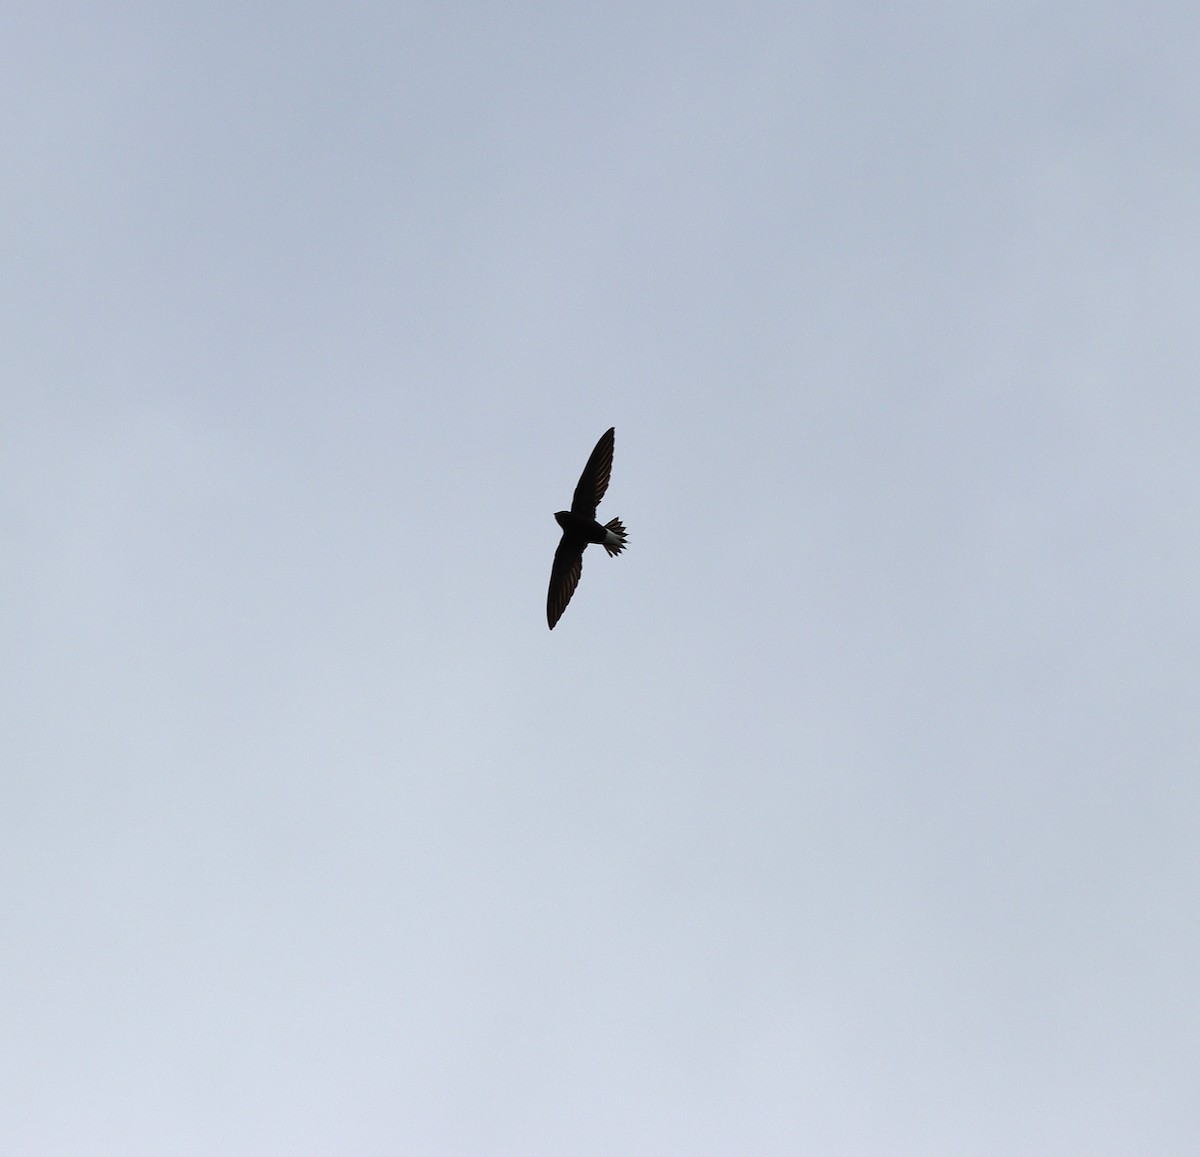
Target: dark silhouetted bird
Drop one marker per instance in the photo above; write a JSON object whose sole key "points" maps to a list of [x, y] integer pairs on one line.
{"points": [[579, 527]]}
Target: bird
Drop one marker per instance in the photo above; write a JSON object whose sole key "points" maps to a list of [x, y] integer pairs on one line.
{"points": [[579, 527]]}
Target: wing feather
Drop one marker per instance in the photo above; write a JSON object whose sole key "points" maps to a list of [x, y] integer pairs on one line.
{"points": [[564, 578], [593, 482]]}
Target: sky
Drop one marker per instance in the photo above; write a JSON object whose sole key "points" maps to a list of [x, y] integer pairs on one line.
{"points": [[851, 810]]}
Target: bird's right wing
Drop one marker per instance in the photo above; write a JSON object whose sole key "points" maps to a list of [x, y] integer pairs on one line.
{"points": [[564, 578], [593, 482]]}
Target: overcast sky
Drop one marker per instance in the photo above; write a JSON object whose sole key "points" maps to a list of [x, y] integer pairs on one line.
{"points": [[852, 810]]}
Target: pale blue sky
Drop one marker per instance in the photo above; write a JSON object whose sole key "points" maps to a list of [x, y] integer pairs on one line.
{"points": [[852, 810]]}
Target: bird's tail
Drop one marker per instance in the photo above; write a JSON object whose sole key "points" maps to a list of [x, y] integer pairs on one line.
{"points": [[614, 540]]}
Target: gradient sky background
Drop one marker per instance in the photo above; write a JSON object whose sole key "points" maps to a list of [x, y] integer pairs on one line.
{"points": [[853, 810]]}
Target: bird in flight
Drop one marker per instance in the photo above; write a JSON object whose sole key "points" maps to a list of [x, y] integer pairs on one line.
{"points": [[579, 527]]}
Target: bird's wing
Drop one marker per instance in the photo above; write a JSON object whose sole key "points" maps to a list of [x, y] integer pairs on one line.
{"points": [[564, 577], [593, 482]]}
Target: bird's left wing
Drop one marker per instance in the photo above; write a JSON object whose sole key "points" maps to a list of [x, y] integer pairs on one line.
{"points": [[593, 482]]}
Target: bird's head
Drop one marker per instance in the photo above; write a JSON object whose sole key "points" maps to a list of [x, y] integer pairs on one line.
{"points": [[561, 518]]}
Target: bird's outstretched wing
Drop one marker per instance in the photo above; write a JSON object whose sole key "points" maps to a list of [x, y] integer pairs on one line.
{"points": [[564, 577], [593, 482]]}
